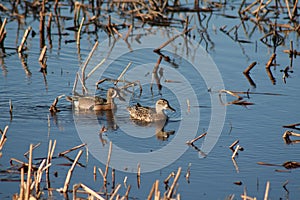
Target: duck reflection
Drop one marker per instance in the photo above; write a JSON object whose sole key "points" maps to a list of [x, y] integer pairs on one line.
{"points": [[160, 132], [108, 117]]}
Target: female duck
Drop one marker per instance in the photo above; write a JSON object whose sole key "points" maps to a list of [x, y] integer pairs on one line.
{"points": [[94, 102], [147, 114]]}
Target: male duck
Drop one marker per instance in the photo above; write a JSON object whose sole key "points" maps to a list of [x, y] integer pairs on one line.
{"points": [[147, 114], [94, 102]]}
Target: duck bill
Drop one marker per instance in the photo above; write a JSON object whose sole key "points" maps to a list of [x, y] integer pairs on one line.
{"points": [[170, 108]]}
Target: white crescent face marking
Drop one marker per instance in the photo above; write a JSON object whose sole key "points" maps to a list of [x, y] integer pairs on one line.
{"points": [[76, 104]]}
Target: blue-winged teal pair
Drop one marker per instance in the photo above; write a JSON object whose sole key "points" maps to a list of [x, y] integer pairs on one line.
{"points": [[137, 112]]}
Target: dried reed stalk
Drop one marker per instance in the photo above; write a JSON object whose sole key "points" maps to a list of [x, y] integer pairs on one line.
{"points": [[138, 176], [266, 197], [95, 68], [91, 192], [287, 134], [172, 39], [115, 192], [127, 192], [68, 178], [79, 32], [233, 144], [72, 149], [235, 151], [39, 176], [2, 32], [150, 195], [166, 181], [128, 32], [122, 74], [269, 63], [28, 183], [156, 191], [107, 163], [10, 108], [171, 190], [247, 70], [42, 54], [231, 93], [22, 184], [34, 146], [49, 24], [82, 83], [197, 138], [3, 137], [87, 61], [20, 48]]}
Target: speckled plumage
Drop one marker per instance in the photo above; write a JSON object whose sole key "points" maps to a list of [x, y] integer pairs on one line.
{"points": [[147, 114], [94, 102]]}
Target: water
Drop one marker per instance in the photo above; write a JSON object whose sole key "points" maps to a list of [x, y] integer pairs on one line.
{"points": [[258, 127]]}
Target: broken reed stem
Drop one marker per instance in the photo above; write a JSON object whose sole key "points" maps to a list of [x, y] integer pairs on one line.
{"points": [[35, 146], [113, 174], [49, 24], [266, 197], [82, 83], [115, 192], [28, 183], [49, 156], [290, 133], [3, 27], [95, 68], [156, 191], [295, 9], [2, 32], [170, 193], [10, 107], [150, 195], [231, 93], [172, 39], [3, 137], [42, 55], [288, 9], [75, 83], [197, 138], [22, 184], [72, 149], [68, 178], [88, 60], [107, 162], [20, 48], [157, 65], [79, 31], [95, 173], [247, 70], [91, 192], [127, 192], [39, 176], [235, 152], [122, 74], [138, 176], [233, 144], [128, 33], [269, 63], [166, 181]]}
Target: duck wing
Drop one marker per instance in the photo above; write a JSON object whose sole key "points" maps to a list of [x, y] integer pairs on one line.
{"points": [[142, 113]]}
